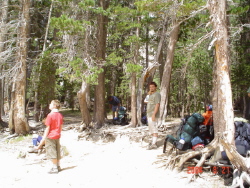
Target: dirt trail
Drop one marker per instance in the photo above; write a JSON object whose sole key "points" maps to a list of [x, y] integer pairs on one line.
{"points": [[92, 165]]}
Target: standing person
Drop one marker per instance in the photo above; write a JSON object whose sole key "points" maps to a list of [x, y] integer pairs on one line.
{"points": [[114, 103], [208, 133], [153, 113], [52, 134], [208, 119]]}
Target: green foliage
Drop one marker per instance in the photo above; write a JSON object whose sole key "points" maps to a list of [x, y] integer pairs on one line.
{"points": [[123, 89], [87, 4], [240, 74], [68, 25], [133, 68], [238, 10], [90, 5], [240, 67], [113, 59], [78, 66], [46, 84], [155, 6], [131, 39], [92, 76], [189, 6]]}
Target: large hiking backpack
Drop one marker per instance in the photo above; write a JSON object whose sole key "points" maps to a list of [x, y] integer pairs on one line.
{"points": [[189, 128], [242, 137]]}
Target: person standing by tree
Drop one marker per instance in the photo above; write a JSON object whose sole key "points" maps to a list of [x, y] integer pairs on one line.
{"points": [[114, 105], [52, 135], [153, 113]]}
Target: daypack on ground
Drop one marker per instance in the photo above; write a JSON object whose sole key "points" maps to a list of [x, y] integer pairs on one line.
{"points": [[189, 128]]}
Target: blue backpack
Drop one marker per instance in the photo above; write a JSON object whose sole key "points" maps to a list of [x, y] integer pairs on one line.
{"points": [[242, 137]]}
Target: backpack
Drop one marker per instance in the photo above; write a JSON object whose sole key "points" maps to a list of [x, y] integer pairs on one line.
{"points": [[122, 117], [242, 137], [190, 129]]}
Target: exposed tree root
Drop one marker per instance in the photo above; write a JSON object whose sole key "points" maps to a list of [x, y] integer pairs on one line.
{"points": [[213, 164], [235, 158], [204, 153], [177, 159]]}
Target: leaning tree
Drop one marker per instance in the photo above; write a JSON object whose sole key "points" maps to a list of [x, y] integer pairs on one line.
{"points": [[222, 98]]}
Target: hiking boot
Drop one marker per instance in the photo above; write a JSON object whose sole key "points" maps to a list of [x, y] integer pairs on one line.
{"points": [[33, 150], [53, 171], [152, 146], [167, 147]]}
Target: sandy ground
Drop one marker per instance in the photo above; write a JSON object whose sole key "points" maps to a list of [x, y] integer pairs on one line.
{"points": [[118, 164]]}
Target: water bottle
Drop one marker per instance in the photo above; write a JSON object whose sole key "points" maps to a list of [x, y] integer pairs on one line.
{"points": [[180, 144], [34, 139]]}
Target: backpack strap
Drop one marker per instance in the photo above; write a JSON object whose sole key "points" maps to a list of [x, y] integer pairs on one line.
{"points": [[241, 131], [238, 128], [244, 131]]}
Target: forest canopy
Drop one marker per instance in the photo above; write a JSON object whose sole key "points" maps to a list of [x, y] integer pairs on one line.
{"points": [[82, 51]]}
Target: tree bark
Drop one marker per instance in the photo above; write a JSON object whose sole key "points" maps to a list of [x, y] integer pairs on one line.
{"points": [[82, 97], [4, 17], [1, 96], [102, 21], [133, 100], [3, 31], [167, 72], [18, 101], [222, 100], [158, 56], [136, 105]]}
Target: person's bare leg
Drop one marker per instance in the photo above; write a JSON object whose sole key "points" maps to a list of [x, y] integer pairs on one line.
{"points": [[154, 139], [116, 114], [55, 162]]}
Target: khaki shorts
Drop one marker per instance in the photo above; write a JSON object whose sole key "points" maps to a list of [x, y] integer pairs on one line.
{"points": [[152, 125], [53, 148]]}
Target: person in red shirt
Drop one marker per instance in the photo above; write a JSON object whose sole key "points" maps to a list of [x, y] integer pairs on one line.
{"points": [[52, 135]]}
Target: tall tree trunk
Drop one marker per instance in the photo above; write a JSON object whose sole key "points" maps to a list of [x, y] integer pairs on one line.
{"points": [[3, 31], [38, 114], [3, 22], [1, 96], [159, 52], [11, 111], [102, 21], [136, 104], [167, 72], [18, 110], [133, 100], [222, 100], [82, 97]]}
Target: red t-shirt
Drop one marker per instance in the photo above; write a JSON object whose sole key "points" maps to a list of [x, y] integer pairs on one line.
{"points": [[55, 121]]}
